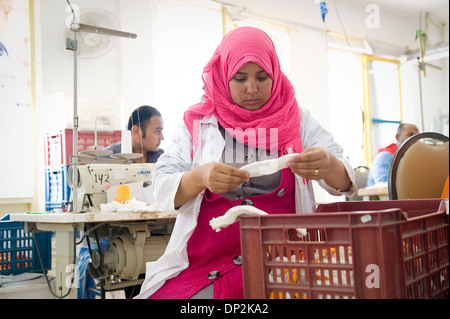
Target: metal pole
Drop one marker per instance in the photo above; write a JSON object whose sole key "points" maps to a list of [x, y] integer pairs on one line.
{"points": [[73, 45], [75, 127], [420, 66]]}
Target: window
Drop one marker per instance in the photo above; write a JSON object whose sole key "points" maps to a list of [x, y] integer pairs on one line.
{"points": [[365, 94], [382, 102], [186, 36], [347, 104]]}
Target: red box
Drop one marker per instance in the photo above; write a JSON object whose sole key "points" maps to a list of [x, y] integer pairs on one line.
{"points": [[59, 146], [364, 250]]}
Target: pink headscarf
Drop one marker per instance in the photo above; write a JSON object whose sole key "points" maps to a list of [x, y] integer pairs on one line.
{"points": [[281, 112]]}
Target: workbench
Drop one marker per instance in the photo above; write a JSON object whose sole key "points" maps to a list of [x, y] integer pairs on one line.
{"points": [[65, 226]]}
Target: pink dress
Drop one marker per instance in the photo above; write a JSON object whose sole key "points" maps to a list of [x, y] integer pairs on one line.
{"points": [[214, 257]]}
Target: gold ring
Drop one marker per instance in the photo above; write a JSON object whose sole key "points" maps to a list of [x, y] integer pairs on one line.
{"points": [[316, 172]]}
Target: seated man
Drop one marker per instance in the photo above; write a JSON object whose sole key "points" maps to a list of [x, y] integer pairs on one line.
{"points": [[380, 167], [146, 126]]}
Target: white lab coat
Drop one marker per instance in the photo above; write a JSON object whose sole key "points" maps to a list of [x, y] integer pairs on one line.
{"points": [[177, 159]]}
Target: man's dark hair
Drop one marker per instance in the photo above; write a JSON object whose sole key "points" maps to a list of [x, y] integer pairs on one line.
{"points": [[141, 116]]}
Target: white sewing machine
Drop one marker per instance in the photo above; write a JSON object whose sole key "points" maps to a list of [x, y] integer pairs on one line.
{"points": [[130, 243], [133, 238], [96, 180], [130, 246]]}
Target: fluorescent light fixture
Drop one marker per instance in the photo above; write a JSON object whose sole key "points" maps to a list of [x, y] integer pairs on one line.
{"points": [[94, 29], [436, 52]]}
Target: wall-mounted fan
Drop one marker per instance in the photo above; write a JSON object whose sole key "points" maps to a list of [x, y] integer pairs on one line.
{"points": [[92, 45]]}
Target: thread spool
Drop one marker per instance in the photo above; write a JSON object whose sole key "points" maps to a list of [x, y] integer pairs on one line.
{"points": [[123, 193], [126, 142]]}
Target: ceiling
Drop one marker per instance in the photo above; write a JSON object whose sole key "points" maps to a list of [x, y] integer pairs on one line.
{"points": [[288, 10], [437, 8]]}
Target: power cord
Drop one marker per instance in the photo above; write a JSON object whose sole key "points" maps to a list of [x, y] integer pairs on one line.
{"points": [[42, 264]]}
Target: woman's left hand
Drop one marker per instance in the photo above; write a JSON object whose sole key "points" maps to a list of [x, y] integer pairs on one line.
{"points": [[316, 163], [312, 163]]}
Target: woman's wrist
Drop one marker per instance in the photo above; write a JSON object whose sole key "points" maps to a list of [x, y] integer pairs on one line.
{"points": [[189, 187], [338, 177]]}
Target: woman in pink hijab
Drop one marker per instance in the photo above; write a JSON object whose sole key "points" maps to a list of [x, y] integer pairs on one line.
{"points": [[248, 113]]}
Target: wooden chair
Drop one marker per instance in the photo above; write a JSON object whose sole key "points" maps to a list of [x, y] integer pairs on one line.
{"points": [[419, 168]]}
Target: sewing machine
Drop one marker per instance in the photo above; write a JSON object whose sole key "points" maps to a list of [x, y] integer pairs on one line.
{"points": [[95, 180], [130, 243], [130, 246]]}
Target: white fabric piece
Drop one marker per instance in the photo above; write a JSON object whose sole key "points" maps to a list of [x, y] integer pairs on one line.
{"points": [[267, 167], [130, 206], [232, 215], [301, 232]]}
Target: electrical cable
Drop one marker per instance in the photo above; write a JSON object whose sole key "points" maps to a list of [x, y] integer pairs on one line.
{"points": [[42, 264], [88, 232], [324, 11], [358, 56], [73, 12], [342, 25]]}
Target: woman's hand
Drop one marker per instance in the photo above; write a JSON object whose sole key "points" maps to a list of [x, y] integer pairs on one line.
{"points": [[217, 177], [312, 163], [316, 163], [220, 177]]}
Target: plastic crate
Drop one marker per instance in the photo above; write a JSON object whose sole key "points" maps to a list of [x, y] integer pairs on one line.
{"points": [[364, 250], [18, 252], [59, 146], [57, 189], [51, 207]]}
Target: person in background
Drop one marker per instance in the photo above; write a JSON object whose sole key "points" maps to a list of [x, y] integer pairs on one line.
{"points": [[248, 114], [146, 126], [379, 170]]}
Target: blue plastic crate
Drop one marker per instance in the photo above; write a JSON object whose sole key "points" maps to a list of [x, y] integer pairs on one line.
{"points": [[57, 189], [18, 252]]}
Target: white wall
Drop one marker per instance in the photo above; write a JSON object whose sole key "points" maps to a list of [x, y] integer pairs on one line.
{"points": [[309, 72], [429, 94], [138, 56], [185, 39], [16, 119]]}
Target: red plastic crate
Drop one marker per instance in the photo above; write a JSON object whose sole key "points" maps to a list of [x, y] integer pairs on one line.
{"points": [[364, 250], [59, 146]]}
